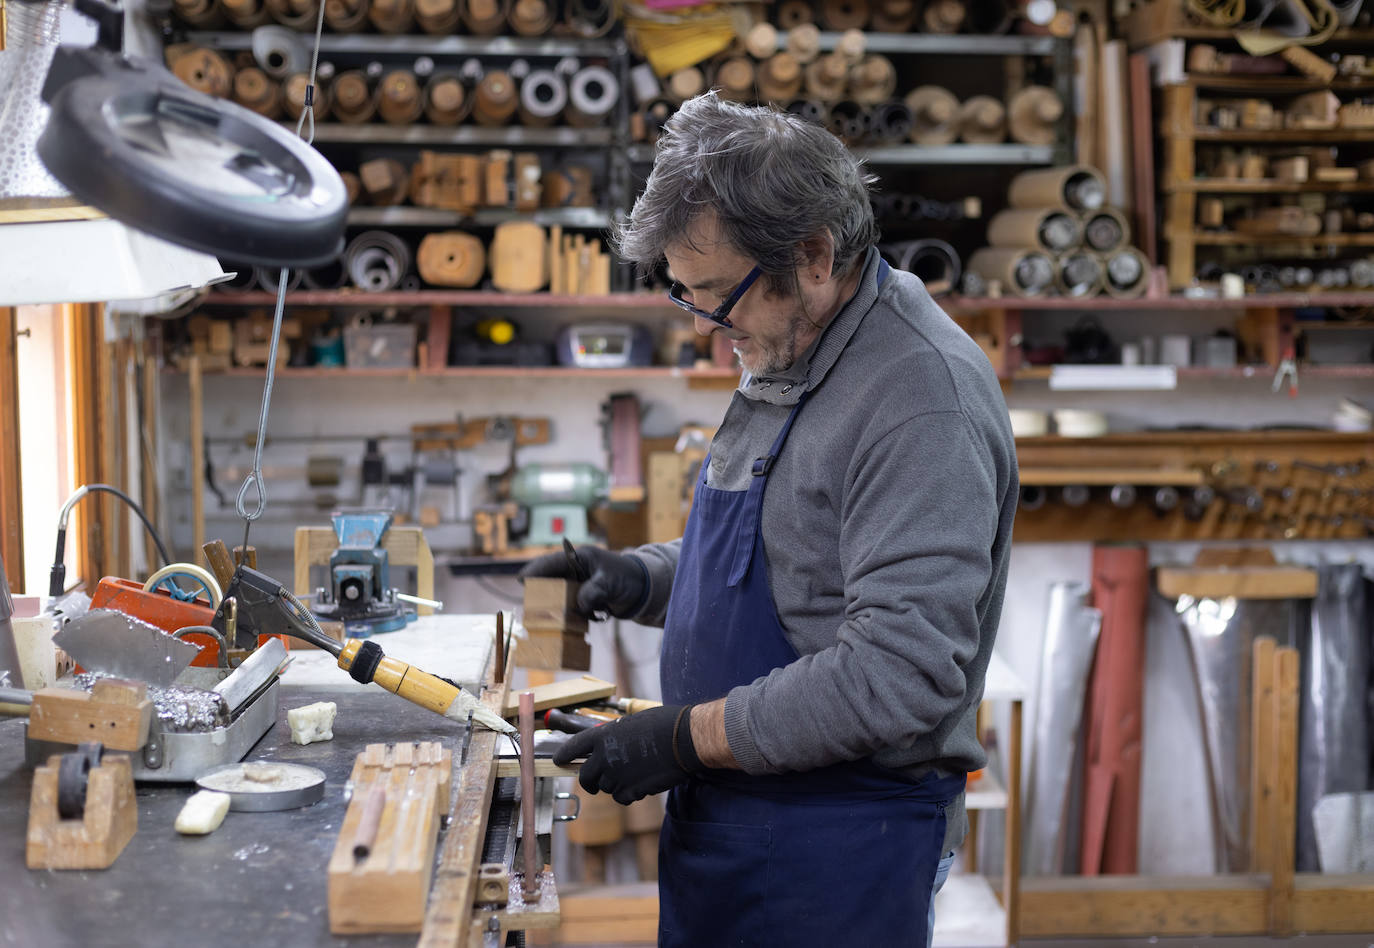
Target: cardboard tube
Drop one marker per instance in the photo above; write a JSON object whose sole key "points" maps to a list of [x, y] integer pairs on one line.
{"points": [[804, 42], [1076, 187], [446, 99], [1048, 228], [293, 96], [943, 16], [873, 80], [438, 17], [205, 71], [983, 121], [841, 15], [1126, 273], [247, 14], [495, 100], [532, 17], [894, 16], [685, 84], [295, 14], [826, 78], [253, 90], [354, 101], [1106, 229], [1020, 271], [794, 13], [761, 41], [202, 14], [543, 97], [735, 79], [780, 78], [934, 115], [346, 16], [485, 17], [1033, 116], [399, 99], [392, 16], [1080, 274]]}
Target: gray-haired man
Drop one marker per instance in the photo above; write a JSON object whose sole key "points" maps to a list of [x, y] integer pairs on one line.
{"points": [[825, 640]]}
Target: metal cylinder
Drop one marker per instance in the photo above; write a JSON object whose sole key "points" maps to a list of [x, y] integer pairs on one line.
{"points": [[1074, 495], [269, 277], [446, 99], [891, 121], [1164, 499], [495, 99], [32, 33], [1033, 116], [399, 99], [849, 121], [1127, 273], [982, 121], [543, 96], [377, 261], [354, 99], [1106, 229], [592, 94], [809, 109], [1019, 271], [1080, 274], [934, 261], [934, 115], [1122, 495], [1075, 187], [1050, 229]]}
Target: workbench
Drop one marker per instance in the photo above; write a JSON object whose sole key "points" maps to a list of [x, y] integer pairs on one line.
{"points": [[260, 878]]}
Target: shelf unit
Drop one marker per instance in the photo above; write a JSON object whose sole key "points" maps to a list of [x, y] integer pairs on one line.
{"points": [[405, 216], [388, 44]]}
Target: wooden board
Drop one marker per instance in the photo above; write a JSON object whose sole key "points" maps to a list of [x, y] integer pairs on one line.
{"points": [[11, 500], [543, 767], [1107, 476], [551, 606], [1333, 903], [603, 915], [553, 650], [1146, 906], [119, 716], [406, 546], [386, 890], [45, 210], [1285, 751], [1262, 775], [560, 694], [1250, 582]]}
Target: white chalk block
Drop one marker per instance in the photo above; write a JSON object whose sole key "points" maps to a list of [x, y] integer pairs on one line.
{"points": [[203, 813], [313, 722]]}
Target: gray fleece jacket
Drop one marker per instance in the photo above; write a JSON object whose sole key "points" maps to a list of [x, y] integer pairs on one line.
{"points": [[887, 530]]}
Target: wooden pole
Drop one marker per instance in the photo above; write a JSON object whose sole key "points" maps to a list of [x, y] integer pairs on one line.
{"points": [[197, 458], [11, 496], [1286, 683], [1011, 879]]}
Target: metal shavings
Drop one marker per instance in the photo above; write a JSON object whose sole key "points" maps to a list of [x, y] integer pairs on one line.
{"points": [[177, 707]]}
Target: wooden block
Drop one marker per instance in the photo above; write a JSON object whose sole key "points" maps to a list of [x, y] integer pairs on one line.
{"points": [[664, 491], [497, 190], [551, 606], [1336, 175], [221, 337], [1309, 63], [386, 889], [526, 180], [518, 257], [1245, 582], [1294, 169], [560, 694], [96, 839], [116, 718], [553, 650]]}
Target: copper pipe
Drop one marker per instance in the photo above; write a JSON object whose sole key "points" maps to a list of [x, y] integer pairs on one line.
{"points": [[366, 836]]}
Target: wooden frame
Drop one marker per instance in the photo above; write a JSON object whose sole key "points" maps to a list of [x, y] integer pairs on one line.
{"points": [[11, 493]]}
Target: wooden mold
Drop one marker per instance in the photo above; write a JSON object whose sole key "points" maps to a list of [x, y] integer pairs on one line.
{"points": [[96, 839], [115, 712], [380, 871]]}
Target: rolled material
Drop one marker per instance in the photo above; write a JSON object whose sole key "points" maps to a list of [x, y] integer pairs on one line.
{"points": [[592, 94], [293, 96], [982, 121], [354, 99], [247, 14], [377, 261], [279, 51], [934, 115], [532, 17], [495, 99], [761, 41], [591, 18], [485, 17], [891, 121], [934, 261], [1126, 273], [827, 77], [203, 14], [804, 41], [1048, 228], [872, 80], [253, 90], [452, 258], [893, 16], [849, 121], [392, 16], [811, 110], [295, 14], [795, 13], [1080, 274], [840, 15], [1105, 230], [438, 17], [734, 79], [943, 16], [1076, 187], [1033, 116], [332, 276], [346, 16], [385, 181], [543, 96], [399, 99], [685, 84], [242, 276], [205, 71], [269, 277], [1072, 627], [780, 78], [1019, 271], [446, 99]]}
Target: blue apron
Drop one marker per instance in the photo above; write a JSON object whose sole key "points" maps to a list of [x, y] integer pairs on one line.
{"points": [[842, 855]]}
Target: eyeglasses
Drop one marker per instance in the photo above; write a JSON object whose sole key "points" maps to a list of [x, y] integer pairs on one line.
{"points": [[721, 312]]}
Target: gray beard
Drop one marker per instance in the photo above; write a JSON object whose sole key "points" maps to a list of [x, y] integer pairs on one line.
{"points": [[778, 359]]}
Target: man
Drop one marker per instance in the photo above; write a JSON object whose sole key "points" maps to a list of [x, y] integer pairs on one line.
{"points": [[830, 610]]}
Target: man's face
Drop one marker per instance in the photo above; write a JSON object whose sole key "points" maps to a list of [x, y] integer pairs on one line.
{"points": [[770, 329]]}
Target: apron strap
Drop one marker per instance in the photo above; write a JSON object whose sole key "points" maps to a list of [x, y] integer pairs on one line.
{"points": [[753, 505]]}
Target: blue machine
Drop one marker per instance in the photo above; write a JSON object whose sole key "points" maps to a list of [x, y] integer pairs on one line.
{"points": [[360, 593]]}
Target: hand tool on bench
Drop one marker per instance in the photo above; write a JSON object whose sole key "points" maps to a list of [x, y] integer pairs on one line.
{"points": [[265, 606]]}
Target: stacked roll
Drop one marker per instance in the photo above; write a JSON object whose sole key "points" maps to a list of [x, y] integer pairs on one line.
{"points": [[587, 18], [1058, 237]]}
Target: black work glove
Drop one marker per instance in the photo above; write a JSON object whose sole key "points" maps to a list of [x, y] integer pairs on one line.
{"points": [[638, 755], [615, 583]]}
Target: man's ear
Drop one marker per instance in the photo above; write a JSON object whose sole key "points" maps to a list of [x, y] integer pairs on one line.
{"points": [[816, 254]]}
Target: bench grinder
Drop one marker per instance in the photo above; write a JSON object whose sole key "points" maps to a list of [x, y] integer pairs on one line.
{"points": [[558, 497]]}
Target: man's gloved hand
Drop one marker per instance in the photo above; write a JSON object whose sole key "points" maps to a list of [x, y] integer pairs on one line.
{"points": [[615, 583], [638, 755]]}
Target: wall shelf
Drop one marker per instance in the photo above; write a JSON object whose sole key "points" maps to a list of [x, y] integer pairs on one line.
{"points": [[589, 217], [1285, 136], [1223, 82], [1003, 154], [373, 133], [483, 298], [1214, 239], [382, 44], [955, 44], [1228, 186], [709, 375]]}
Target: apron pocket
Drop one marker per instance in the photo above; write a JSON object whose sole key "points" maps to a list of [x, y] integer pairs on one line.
{"points": [[713, 884]]}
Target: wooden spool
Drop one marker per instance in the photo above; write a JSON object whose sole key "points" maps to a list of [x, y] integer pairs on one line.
{"points": [[392, 16], [735, 79], [253, 90], [399, 99], [1126, 273], [943, 16], [293, 96], [872, 81], [352, 186], [841, 15], [761, 41], [205, 71], [438, 17], [203, 14], [354, 100], [804, 42], [446, 99], [385, 181], [519, 257], [1080, 274], [982, 121], [934, 115], [1033, 116], [894, 16], [451, 258], [685, 84], [1018, 271], [851, 45], [295, 14], [485, 17], [346, 16], [1076, 187], [495, 99], [532, 17], [1106, 229], [826, 78], [247, 14], [780, 78], [1052, 229], [795, 13]]}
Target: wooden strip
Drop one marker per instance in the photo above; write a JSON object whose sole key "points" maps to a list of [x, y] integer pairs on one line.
{"points": [[83, 325], [1107, 476], [1243, 583], [1332, 903], [123, 521], [1121, 906], [1011, 869], [197, 458], [543, 767], [559, 694], [1285, 809], [1262, 776], [11, 496], [148, 421], [1143, 155]]}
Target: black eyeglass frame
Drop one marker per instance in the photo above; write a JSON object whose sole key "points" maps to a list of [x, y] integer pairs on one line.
{"points": [[720, 314]]}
